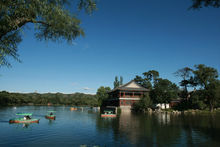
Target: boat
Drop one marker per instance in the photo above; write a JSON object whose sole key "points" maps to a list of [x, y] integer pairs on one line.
{"points": [[50, 115], [108, 113], [25, 119], [73, 108]]}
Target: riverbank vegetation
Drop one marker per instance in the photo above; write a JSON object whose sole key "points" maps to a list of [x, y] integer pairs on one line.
{"points": [[202, 80], [76, 99], [199, 89]]}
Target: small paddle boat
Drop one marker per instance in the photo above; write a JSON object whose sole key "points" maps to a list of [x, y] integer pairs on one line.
{"points": [[108, 113], [73, 108], [50, 115], [26, 119]]}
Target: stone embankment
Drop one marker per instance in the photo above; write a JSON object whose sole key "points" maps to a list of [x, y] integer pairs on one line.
{"points": [[170, 111]]}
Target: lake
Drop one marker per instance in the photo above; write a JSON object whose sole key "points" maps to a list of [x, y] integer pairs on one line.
{"points": [[85, 127]]}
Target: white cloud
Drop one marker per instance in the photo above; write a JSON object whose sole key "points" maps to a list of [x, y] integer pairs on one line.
{"points": [[87, 88]]}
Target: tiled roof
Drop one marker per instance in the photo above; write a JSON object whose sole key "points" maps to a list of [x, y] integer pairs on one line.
{"points": [[124, 87]]}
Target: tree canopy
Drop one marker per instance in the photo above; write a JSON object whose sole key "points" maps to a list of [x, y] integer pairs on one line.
{"points": [[186, 75], [204, 75], [117, 82], [164, 91], [207, 79], [102, 94], [205, 3], [149, 78], [77, 99], [52, 18]]}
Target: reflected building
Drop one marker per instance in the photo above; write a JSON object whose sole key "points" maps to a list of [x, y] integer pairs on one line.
{"points": [[129, 125]]}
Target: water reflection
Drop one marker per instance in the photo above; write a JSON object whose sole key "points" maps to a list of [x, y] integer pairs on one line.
{"points": [[75, 128], [162, 129], [163, 118], [22, 126], [25, 125], [50, 122]]}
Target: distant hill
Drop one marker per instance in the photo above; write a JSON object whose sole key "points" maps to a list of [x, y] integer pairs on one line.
{"points": [[77, 99]]}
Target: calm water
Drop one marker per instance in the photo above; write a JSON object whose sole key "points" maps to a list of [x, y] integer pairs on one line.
{"points": [[85, 127]]}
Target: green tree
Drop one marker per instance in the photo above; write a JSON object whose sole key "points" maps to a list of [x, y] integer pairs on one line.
{"points": [[151, 75], [217, 93], [206, 78], [116, 82], [148, 80], [144, 103], [102, 94], [164, 91], [205, 3], [121, 81], [186, 75], [204, 75], [52, 19], [212, 94], [196, 101], [143, 82]]}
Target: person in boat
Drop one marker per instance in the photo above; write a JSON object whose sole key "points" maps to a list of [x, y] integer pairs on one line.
{"points": [[51, 113], [28, 117], [25, 117]]}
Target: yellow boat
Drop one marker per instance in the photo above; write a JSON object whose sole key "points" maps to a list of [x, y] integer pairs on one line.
{"points": [[73, 108]]}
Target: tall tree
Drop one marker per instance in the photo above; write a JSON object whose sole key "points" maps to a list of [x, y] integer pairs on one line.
{"points": [[102, 94], [116, 82], [206, 78], [213, 94], [143, 82], [204, 75], [164, 91], [186, 75], [121, 81], [52, 19], [151, 75], [149, 78]]}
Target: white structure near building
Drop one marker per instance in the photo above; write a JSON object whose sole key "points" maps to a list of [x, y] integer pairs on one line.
{"points": [[163, 106]]}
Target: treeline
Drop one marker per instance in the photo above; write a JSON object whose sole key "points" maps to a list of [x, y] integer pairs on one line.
{"points": [[199, 89], [202, 80], [76, 99]]}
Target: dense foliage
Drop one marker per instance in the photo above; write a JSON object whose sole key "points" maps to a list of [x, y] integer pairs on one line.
{"points": [[144, 103], [203, 79], [164, 91], [53, 20], [117, 82], [148, 80], [102, 94], [187, 80], [77, 99]]}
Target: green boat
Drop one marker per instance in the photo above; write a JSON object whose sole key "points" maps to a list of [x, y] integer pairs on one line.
{"points": [[25, 119], [50, 115], [108, 113]]}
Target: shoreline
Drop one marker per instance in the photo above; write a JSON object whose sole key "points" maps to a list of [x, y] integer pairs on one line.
{"points": [[184, 112]]}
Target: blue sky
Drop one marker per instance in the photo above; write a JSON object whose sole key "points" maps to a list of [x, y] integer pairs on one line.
{"points": [[123, 38]]}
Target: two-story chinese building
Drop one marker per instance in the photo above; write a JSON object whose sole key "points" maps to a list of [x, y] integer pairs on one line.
{"points": [[127, 94]]}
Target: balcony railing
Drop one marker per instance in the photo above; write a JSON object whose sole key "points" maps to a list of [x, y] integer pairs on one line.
{"points": [[130, 96]]}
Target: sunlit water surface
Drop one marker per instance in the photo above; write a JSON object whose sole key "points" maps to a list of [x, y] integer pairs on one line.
{"points": [[86, 127]]}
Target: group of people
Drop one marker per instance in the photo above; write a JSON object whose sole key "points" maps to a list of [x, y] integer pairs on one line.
{"points": [[27, 117]]}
